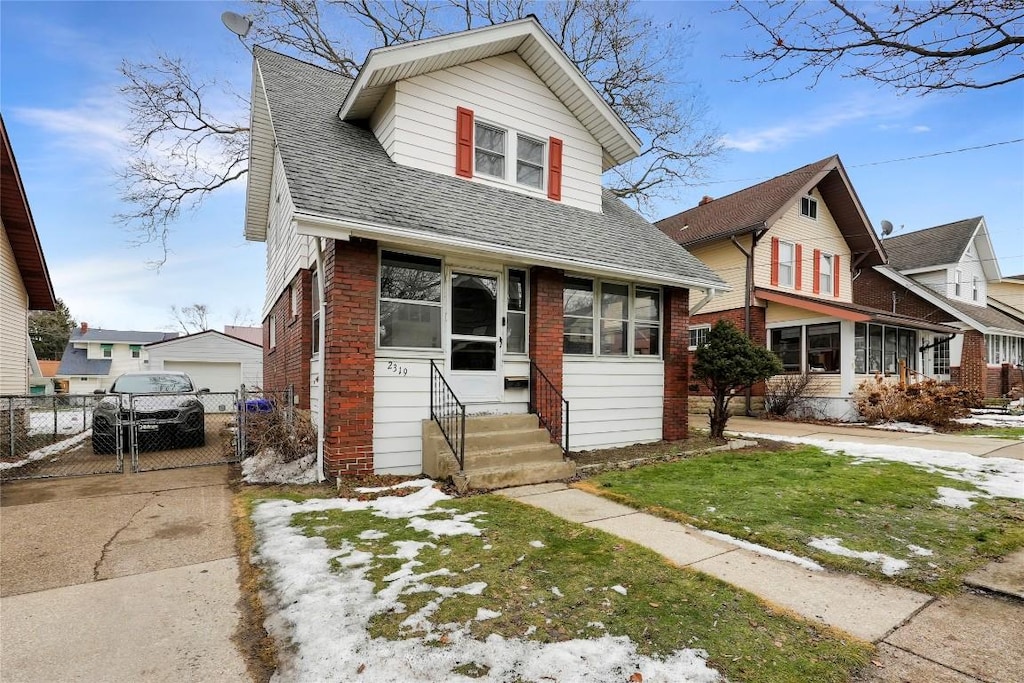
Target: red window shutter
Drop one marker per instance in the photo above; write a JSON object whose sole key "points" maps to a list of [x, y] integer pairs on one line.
{"points": [[835, 275], [799, 268], [555, 169], [775, 260], [817, 271], [464, 134]]}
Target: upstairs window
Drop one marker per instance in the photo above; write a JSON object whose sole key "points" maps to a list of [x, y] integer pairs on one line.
{"points": [[957, 277], [787, 259], [490, 150], [825, 268], [809, 207], [108, 350], [530, 162], [974, 289], [136, 350]]}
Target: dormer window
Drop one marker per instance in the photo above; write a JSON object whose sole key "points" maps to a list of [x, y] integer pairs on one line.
{"points": [[490, 151], [957, 276], [809, 207], [530, 162]]}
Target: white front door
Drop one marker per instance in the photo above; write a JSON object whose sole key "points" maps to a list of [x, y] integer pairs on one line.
{"points": [[474, 336]]}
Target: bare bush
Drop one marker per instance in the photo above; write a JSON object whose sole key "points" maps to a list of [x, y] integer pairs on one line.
{"points": [[289, 433], [927, 402], [784, 394]]}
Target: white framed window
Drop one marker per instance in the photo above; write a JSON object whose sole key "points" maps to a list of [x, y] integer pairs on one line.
{"points": [[136, 350], [809, 207], [957, 277], [698, 335], [974, 288], [409, 315], [787, 263], [108, 350], [515, 311], [825, 273], [272, 334], [506, 154], [314, 291], [625, 319], [490, 150], [940, 358]]}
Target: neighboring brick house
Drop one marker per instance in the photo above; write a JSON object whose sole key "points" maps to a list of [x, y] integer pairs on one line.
{"points": [[94, 357], [441, 216], [950, 274], [792, 248]]}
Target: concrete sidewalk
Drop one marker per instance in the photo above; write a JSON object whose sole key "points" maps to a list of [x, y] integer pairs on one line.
{"points": [[975, 445], [920, 638], [119, 578]]}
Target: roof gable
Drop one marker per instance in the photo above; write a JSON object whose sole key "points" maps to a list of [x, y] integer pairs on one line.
{"points": [[99, 335], [20, 228], [219, 336], [526, 37], [943, 245], [343, 182], [757, 207]]}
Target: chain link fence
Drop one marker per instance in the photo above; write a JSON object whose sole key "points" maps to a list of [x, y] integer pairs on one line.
{"points": [[166, 431], [51, 436]]}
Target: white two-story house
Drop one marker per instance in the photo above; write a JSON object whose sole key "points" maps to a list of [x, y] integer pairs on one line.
{"points": [[438, 239], [95, 357]]}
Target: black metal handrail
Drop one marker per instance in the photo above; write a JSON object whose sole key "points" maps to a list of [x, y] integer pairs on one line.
{"points": [[551, 408], [449, 413]]}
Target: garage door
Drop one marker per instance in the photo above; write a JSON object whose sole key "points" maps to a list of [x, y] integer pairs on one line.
{"points": [[217, 377]]}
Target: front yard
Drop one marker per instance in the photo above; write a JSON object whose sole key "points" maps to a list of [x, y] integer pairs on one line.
{"points": [[407, 584], [912, 520]]}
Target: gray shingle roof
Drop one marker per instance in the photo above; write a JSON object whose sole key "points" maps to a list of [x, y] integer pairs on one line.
{"points": [[74, 362], [986, 315], [120, 336], [931, 246], [337, 169]]}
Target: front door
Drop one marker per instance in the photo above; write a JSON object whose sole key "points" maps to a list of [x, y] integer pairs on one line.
{"points": [[474, 341]]}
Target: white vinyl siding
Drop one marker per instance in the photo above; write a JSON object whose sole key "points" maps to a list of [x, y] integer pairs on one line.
{"points": [[208, 356], [287, 251], [613, 403], [13, 323], [400, 404], [383, 122], [501, 91], [822, 234]]}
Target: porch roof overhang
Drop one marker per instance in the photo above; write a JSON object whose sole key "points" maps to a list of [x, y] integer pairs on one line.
{"points": [[333, 228], [851, 312]]}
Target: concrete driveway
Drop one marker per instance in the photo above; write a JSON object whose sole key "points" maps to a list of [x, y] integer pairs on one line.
{"points": [[119, 578]]}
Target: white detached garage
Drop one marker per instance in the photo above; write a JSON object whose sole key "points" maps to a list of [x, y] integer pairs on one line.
{"points": [[213, 360]]}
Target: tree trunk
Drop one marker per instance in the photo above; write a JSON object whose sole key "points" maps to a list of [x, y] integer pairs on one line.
{"points": [[719, 414]]}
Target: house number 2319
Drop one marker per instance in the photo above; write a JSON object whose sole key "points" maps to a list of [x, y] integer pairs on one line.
{"points": [[399, 370]]}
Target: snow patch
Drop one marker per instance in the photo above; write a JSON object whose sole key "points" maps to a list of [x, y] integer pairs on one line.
{"points": [[955, 498], [919, 551], [485, 614], [537, 544], [621, 590], [266, 468], [767, 552], [904, 427], [46, 451], [890, 565]]}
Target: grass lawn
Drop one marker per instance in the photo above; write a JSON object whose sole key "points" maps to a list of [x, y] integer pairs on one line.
{"points": [[784, 499], [552, 581], [998, 432]]}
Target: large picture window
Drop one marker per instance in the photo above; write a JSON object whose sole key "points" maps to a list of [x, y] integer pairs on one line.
{"points": [[625, 320], [880, 348], [410, 301], [823, 348], [787, 344]]}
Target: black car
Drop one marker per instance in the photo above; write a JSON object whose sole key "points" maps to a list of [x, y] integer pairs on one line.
{"points": [[163, 408]]}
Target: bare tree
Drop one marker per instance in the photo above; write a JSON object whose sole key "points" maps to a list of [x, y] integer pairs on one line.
{"points": [[193, 318], [185, 147], [912, 46]]}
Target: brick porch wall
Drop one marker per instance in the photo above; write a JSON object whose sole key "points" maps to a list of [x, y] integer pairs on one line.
{"points": [[287, 364], [972, 371], [546, 325], [349, 345], [676, 354]]}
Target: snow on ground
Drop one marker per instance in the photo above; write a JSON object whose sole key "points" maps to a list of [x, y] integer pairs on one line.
{"points": [[46, 451], [996, 476], [1000, 421], [904, 427], [919, 551], [67, 421], [890, 565], [266, 468], [955, 498], [325, 614], [767, 552]]}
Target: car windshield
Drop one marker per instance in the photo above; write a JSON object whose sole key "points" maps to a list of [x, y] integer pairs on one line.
{"points": [[152, 384]]}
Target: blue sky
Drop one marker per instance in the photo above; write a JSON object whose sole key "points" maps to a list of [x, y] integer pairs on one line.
{"points": [[58, 95]]}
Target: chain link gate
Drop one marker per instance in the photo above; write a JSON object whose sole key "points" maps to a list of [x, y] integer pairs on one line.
{"points": [[167, 431], [54, 436]]}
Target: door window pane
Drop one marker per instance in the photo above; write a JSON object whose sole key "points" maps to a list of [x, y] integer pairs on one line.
{"points": [[516, 311], [474, 305], [473, 355]]}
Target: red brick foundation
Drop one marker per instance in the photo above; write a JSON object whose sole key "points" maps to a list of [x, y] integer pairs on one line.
{"points": [[676, 354], [287, 364], [349, 345]]}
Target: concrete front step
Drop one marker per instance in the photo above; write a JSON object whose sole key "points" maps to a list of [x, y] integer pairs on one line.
{"points": [[513, 455], [477, 441], [500, 423], [490, 478]]}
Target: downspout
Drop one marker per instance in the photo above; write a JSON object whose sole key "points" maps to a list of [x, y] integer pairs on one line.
{"points": [[321, 359], [711, 293], [748, 292]]}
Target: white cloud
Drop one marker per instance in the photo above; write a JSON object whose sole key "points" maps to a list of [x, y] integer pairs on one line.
{"points": [[93, 127], [920, 129]]}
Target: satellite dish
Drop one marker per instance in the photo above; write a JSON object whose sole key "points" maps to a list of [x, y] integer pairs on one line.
{"points": [[886, 228], [237, 23]]}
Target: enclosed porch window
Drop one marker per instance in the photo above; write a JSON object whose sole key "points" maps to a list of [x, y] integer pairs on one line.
{"points": [[410, 301], [880, 348]]}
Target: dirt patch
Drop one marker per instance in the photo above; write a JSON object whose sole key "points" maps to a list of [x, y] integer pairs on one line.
{"points": [[654, 451]]}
